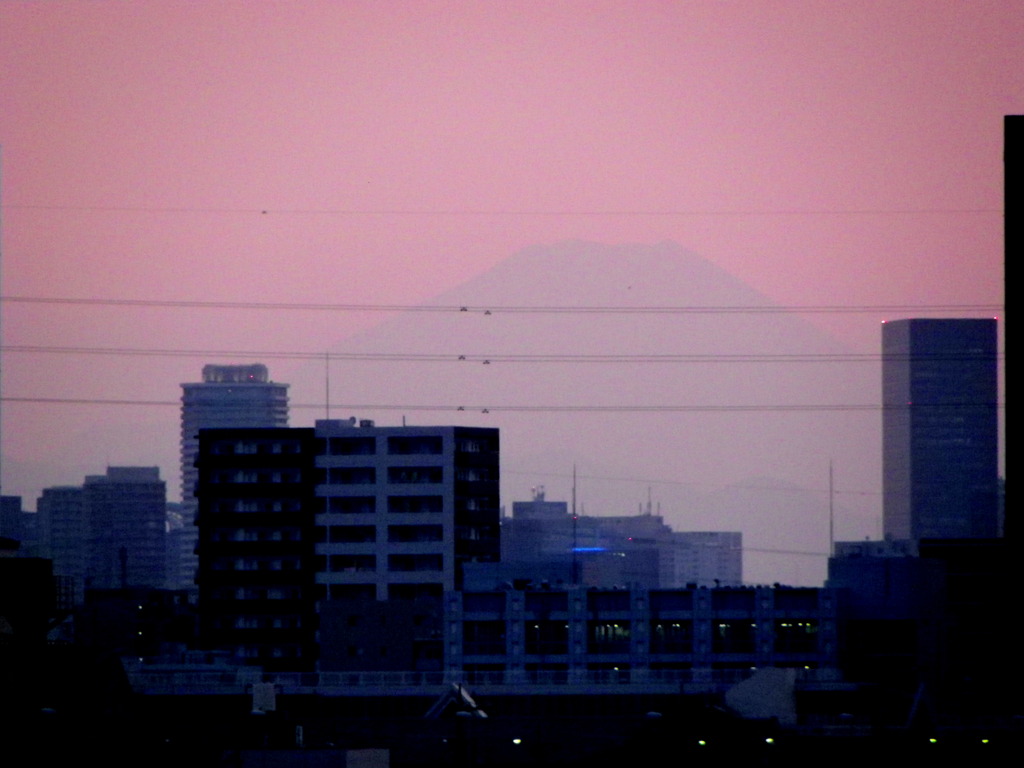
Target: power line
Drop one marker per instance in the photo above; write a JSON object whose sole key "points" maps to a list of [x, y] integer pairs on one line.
{"points": [[647, 481], [786, 552], [512, 212], [507, 309], [479, 358], [486, 409]]}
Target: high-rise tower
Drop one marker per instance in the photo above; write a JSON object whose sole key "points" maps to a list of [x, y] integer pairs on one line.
{"points": [[228, 396], [126, 511], [939, 429], [108, 533]]}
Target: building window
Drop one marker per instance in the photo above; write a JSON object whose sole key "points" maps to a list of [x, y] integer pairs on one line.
{"points": [[352, 505], [476, 445], [476, 474], [249, 476], [417, 445], [734, 636], [481, 638], [415, 591], [352, 592], [415, 504], [402, 563], [352, 475], [415, 475], [547, 637], [407, 534], [608, 636], [280, 593], [352, 534], [352, 446], [796, 636], [352, 563], [671, 636]]}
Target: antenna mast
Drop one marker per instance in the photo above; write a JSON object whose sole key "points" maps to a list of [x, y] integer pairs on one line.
{"points": [[327, 385], [575, 567], [1, 285], [831, 515]]}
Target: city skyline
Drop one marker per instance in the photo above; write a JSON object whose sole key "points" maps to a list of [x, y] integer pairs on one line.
{"points": [[376, 156]]}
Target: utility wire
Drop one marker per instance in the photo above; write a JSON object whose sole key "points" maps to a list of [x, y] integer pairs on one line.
{"points": [[647, 481], [509, 309], [712, 212], [484, 358], [530, 408]]}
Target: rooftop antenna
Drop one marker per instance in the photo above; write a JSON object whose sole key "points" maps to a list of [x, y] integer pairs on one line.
{"points": [[575, 565], [574, 490], [327, 385], [831, 514], [1, 285]]}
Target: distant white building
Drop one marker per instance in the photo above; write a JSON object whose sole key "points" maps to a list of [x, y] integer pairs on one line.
{"points": [[543, 541], [704, 558]]}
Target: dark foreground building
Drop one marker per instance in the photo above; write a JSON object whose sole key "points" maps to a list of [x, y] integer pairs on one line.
{"points": [[302, 529], [257, 564]]}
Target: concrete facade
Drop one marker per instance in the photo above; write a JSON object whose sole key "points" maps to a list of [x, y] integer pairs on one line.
{"points": [[685, 633], [405, 508]]}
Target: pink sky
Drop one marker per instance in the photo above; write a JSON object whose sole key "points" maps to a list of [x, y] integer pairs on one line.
{"points": [[826, 153]]}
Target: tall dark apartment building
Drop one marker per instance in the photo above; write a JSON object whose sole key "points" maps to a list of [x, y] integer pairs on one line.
{"points": [[939, 429], [304, 532], [257, 565]]}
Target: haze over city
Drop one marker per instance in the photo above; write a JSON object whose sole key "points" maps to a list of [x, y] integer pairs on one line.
{"points": [[296, 183]]}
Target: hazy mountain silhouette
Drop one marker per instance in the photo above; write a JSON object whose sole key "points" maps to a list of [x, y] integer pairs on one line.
{"points": [[695, 465]]}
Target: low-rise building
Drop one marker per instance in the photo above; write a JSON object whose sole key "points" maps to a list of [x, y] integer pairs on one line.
{"points": [[697, 633]]}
